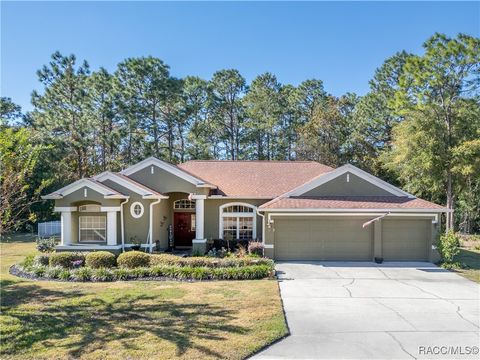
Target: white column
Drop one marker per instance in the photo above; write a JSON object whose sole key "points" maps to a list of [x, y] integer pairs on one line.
{"points": [[66, 225], [111, 228], [199, 216]]}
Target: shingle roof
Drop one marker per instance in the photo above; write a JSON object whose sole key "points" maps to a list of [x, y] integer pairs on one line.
{"points": [[266, 179], [350, 202]]}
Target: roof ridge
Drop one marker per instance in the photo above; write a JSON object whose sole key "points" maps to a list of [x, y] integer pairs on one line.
{"points": [[252, 161]]}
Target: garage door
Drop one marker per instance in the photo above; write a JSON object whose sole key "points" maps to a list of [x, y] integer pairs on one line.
{"points": [[405, 239], [322, 239]]}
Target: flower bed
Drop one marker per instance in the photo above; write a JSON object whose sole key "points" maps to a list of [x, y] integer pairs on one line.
{"points": [[137, 265]]}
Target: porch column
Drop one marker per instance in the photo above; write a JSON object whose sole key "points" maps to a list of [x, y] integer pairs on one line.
{"points": [[199, 244], [111, 223], [65, 223], [111, 228]]}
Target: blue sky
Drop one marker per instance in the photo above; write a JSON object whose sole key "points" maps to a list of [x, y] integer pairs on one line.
{"points": [[340, 43]]}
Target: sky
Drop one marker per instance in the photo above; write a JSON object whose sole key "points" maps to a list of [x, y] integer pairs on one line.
{"points": [[341, 43]]}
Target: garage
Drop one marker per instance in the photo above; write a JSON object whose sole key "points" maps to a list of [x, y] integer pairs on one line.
{"points": [[405, 239], [323, 238]]}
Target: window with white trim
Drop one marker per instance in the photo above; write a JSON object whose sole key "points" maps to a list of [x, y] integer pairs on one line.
{"points": [[137, 209], [92, 228], [183, 204], [237, 221]]}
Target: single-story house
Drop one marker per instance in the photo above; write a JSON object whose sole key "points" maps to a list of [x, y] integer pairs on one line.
{"points": [[300, 210]]}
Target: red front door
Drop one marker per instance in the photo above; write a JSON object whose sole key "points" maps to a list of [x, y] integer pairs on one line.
{"points": [[183, 228]]}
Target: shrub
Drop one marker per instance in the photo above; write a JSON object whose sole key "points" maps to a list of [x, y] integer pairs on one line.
{"points": [[121, 274], [53, 272], [255, 248], [46, 245], [133, 259], [82, 274], [448, 246], [42, 259], [37, 270], [28, 261], [64, 274], [172, 260], [65, 259], [100, 259], [241, 251], [102, 274]]}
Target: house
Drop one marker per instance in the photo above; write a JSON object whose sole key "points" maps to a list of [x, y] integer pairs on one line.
{"points": [[300, 210]]}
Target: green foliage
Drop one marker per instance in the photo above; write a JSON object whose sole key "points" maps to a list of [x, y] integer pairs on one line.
{"points": [[100, 259], [28, 261], [9, 111], [53, 272], [46, 245], [102, 274], [43, 259], [448, 246], [82, 274], [133, 259], [65, 259], [166, 259], [19, 156]]}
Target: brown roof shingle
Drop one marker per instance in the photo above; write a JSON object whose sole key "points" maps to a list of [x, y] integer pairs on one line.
{"points": [[350, 202], [266, 179]]}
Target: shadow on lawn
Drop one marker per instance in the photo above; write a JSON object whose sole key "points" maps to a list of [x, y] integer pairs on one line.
{"points": [[92, 322]]}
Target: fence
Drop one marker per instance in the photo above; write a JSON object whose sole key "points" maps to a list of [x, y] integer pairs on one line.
{"points": [[49, 228]]}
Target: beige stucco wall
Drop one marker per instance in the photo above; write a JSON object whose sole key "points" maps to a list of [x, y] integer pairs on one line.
{"points": [[339, 186]]}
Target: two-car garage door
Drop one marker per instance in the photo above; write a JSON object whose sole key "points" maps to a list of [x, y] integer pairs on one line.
{"points": [[318, 238], [340, 238]]}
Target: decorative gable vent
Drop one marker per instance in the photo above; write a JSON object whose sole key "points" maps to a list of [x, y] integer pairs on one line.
{"points": [[89, 208]]}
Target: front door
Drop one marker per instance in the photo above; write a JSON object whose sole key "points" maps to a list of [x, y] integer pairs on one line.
{"points": [[183, 228]]}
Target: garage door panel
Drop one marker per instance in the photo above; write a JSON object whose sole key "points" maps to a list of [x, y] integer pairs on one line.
{"points": [[322, 239], [405, 239]]}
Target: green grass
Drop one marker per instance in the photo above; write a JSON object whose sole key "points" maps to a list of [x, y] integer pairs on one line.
{"points": [[133, 320], [470, 259]]}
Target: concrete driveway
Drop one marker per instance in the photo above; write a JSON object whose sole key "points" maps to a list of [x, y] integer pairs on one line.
{"points": [[345, 310]]}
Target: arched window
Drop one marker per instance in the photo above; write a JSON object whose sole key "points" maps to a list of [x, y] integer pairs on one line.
{"points": [[238, 221], [184, 204]]}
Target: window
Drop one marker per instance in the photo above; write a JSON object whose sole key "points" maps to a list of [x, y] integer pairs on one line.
{"points": [[92, 228], [193, 225], [90, 208], [184, 204], [237, 222], [136, 210]]}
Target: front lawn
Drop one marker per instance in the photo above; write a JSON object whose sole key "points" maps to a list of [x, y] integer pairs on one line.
{"points": [[470, 262], [135, 320]]}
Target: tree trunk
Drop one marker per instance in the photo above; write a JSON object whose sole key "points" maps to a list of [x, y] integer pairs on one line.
{"points": [[449, 217]]}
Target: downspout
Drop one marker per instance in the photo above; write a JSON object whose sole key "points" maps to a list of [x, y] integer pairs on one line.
{"points": [[122, 229], [263, 226], [151, 224]]}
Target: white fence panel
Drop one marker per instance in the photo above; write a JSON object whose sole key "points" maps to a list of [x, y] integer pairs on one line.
{"points": [[49, 228]]}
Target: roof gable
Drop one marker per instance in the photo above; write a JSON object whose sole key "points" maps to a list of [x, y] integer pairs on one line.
{"points": [[383, 187], [129, 184], [172, 169], [108, 193]]}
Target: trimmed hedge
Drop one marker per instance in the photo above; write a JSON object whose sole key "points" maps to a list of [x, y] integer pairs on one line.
{"points": [[133, 259], [65, 259], [163, 271], [100, 259], [168, 259]]}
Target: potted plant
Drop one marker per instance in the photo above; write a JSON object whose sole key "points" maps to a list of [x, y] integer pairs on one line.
{"points": [[135, 243]]}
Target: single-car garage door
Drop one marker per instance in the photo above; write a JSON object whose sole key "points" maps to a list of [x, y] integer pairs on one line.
{"points": [[323, 238], [405, 239]]}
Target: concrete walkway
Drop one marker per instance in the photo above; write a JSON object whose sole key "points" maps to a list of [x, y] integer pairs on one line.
{"points": [[345, 310]]}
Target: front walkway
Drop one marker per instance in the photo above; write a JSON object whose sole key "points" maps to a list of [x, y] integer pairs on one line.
{"points": [[342, 310]]}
